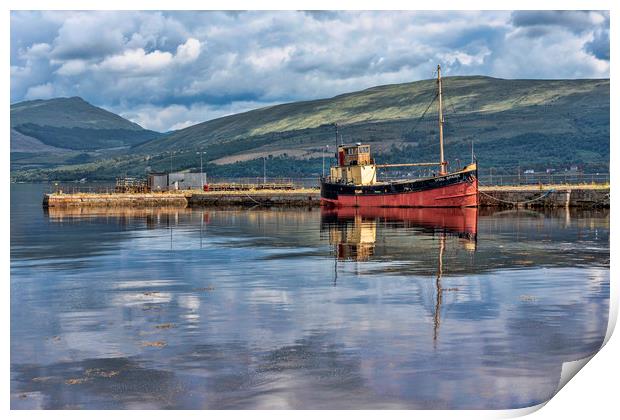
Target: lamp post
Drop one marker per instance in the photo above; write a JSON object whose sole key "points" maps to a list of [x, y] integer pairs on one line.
{"points": [[200, 153], [202, 180], [264, 170]]}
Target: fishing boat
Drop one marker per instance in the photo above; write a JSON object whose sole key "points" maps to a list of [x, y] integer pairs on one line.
{"points": [[352, 182]]}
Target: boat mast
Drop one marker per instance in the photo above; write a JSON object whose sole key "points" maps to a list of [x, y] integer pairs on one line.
{"points": [[442, 170]]}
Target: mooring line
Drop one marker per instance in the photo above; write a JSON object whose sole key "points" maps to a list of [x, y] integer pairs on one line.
{"points": [[517, 202], [513, 202], [246, 194]]}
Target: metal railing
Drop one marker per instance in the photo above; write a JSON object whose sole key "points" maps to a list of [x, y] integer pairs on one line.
{"points": [[78, 188], [215, 184], [558, 178], [545, 179], [287, 183]]}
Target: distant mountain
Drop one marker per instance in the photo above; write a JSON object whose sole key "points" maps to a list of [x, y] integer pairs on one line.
{"points": [[512, 123], [71, 124]]}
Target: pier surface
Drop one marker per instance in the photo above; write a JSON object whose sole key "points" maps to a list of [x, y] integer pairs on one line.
{"points": [[575, 196], [168, 199], [301, 197]]}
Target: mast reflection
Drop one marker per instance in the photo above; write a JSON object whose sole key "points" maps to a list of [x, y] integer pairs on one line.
{"points": [[438, 288], [353, 233]]}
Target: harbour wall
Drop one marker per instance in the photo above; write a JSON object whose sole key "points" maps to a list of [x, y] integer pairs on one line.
{"points": [[291, 198], [115, 200], [503, 197], [278, 198]]}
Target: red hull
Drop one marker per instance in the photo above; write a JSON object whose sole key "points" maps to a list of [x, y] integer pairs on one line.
{"points": [[464, 194]]}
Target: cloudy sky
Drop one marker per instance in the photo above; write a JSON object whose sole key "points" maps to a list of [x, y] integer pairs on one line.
{"points": [[168, 70]]}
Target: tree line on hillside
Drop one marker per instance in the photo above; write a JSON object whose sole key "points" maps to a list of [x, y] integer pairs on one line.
{"points": [[77, 138]]}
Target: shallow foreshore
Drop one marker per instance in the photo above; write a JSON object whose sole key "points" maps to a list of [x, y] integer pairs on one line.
{"points": [[577, 196]]}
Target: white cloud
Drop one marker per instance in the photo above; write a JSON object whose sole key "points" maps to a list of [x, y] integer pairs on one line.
{"points": [[464, 58], [176, 117], [270, 58], [183, 124], [136, 61], [130, 61], [72, 68], [44, 91], [188, 52], [38, 50], [90, 34]]}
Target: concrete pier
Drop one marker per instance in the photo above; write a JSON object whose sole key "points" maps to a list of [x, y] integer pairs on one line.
{"points": [[502, 197], [115, 200], [309, 197], [287, 198]]}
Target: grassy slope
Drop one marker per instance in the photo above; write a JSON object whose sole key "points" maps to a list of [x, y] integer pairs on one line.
{"points": [[67, 112], [538, 123], [480, 97]]}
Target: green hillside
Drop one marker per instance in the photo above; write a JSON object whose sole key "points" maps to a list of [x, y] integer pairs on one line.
{"points": [[538, 122], [74, 124], [535, 124]]}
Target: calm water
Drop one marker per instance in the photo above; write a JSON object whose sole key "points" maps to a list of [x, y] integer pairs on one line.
{"points": [[300, 309]]}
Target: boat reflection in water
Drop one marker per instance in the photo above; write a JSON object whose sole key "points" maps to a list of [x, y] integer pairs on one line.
{"points": [[353, 233]]}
